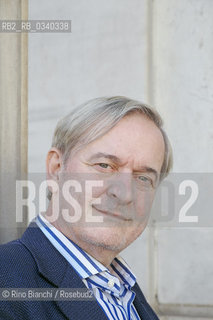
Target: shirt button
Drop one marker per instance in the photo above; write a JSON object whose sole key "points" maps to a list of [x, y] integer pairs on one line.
{"points": [[111, 283]]}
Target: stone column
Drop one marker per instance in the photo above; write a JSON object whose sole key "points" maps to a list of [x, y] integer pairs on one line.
{"points": [[13, 116], [181, 86]]}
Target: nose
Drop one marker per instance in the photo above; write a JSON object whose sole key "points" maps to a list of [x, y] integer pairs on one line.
{"points": [[120, 189]]}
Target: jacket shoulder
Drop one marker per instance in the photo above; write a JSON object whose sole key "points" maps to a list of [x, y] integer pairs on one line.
{"points": [[16, 264]]}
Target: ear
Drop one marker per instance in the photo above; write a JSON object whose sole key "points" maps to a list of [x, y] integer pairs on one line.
{"points": [[53, 163]]}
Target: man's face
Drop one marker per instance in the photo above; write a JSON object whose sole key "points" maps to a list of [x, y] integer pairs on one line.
{"points": [[128, 161]]}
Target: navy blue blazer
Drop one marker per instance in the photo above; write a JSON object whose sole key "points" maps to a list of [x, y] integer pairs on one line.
{"points": [[33, 262]]}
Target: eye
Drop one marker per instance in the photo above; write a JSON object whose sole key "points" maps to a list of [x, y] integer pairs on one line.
{"points": [[144, 179], [104, 165], [144, 182]]}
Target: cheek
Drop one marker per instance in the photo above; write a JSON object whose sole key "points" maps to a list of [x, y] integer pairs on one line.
{"points": [[94, 196], [143, 203], [97, 189]]}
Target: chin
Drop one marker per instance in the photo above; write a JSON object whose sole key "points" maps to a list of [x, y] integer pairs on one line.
{"points": [[114, 240], [106, 244]]}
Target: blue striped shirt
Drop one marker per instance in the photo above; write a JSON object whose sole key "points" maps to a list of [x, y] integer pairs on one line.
{"points": [[112, 290]]}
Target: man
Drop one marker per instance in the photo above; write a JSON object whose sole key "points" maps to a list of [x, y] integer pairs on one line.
{"points": [[107, 158]]}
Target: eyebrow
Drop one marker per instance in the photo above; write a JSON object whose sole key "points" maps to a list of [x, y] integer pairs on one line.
{"points": [[151, 170], [118, 161], [105, 155]]}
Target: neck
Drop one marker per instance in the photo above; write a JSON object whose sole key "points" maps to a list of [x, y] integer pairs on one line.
{"points": [[101, 253]]}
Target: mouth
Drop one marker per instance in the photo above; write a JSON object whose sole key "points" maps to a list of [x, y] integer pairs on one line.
{"points": [[112, 214]]}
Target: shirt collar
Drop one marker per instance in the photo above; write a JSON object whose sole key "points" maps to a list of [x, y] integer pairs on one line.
{"points": [[85, 265]]}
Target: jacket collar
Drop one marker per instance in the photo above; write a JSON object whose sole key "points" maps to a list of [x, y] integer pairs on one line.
{"points": [[58, 272]]}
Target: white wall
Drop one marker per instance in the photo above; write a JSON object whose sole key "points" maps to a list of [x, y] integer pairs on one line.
{"points": [[104, 55], [156, 51], [182, 74]]}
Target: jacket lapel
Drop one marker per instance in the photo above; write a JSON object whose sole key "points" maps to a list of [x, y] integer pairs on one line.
{"points": [[143, 308], [59, 273]]}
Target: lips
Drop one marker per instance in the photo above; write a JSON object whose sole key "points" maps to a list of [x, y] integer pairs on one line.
{"points": [[112, 214]]}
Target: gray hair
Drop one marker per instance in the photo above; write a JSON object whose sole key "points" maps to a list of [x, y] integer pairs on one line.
{"points": [[96, 117]]}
